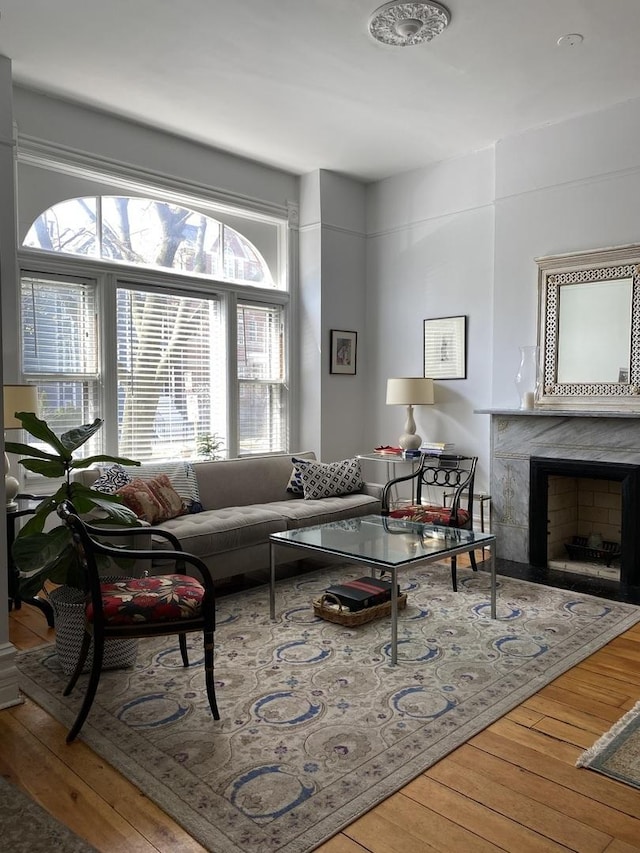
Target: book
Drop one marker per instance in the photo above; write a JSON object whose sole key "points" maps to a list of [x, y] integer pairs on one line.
{"points": [[436, 445], [362, 592]]}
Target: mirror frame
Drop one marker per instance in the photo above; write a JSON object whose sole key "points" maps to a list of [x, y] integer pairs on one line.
{"points": [[555, 271]]}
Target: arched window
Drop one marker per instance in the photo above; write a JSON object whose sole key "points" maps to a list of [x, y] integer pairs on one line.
{"points": [[173, 366], [144, 232]]}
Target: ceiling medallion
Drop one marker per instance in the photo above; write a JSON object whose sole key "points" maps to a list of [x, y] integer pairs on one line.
{"points": [[404, 24]]}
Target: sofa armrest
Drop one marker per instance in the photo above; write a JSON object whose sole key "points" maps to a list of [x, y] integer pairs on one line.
{"points": [[373, 489]]}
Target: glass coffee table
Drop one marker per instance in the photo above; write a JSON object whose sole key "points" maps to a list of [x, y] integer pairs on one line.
{"points": [[386, 544]]}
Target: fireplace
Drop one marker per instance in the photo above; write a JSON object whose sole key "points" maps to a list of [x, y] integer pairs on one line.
{"points": [[544, 470], [575, 441]]}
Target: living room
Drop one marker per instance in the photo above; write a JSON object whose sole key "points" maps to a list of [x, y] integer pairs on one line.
{"points": [[457, 236]]}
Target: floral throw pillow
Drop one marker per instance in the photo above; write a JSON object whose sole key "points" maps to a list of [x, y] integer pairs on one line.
{"points": [[140, 499], [170, 501]]}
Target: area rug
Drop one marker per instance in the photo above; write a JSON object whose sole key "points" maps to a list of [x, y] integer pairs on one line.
{"points": [[27, 828], [617, 752], [317, 726]]}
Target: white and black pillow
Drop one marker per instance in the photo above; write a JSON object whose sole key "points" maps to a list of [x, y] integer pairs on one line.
{"points": [[111, 479], [295, 480], [329, 479]]}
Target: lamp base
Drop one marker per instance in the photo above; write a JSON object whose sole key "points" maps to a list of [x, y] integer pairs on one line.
{"points": [[11, 489], [410, 441]]}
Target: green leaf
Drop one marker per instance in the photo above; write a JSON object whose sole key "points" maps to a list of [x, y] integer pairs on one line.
{"points": [[39, 429], [90, 460], [67, 569], [77, 436], [54, 468], [40, 551], [27, 450]]}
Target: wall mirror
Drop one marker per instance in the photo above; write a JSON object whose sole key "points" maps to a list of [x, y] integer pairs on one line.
{"points": [[589, 330]]}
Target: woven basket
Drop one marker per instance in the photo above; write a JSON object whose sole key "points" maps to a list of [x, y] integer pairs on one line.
{"points": [[330, 608], [68, 612]]}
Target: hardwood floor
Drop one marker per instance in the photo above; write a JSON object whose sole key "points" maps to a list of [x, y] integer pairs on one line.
{"points": [[513, 787]]}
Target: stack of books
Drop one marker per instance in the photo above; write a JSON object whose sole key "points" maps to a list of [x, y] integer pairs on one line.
{"points": [[362, 593], [436, 447]]}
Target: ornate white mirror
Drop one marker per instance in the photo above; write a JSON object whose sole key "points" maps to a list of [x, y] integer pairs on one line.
{"points": [[589, 330]]}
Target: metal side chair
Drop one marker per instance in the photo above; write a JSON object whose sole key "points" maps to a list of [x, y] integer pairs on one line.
{"points": [[450, 474], [149, 606]]}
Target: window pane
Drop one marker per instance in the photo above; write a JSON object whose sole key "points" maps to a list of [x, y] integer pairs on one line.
{"points": [[154, 233], [171, 370], [60, 353], [242, 261], [68, 227], [262, 403], [58, 327]]}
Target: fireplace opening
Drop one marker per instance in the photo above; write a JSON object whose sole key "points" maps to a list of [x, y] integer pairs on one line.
{"points": [[582, 517]]}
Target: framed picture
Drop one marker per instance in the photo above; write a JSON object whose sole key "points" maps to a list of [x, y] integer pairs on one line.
{"points": [[344, 347], [445, 348]]}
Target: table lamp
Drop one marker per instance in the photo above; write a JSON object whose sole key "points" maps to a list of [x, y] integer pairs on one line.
{"points": [[410, 392], [17, 398]]}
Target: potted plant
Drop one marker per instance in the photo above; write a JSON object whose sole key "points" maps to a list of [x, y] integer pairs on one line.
{"points": [[49, 555]]}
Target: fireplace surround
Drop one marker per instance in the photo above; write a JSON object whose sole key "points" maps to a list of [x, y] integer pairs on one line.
{"points": [[608, 441]]}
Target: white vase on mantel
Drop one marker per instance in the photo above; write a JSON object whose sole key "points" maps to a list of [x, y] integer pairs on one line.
{"points": [[528, 377]]}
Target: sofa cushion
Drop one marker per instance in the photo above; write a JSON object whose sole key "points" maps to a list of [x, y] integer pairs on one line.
{"points": [[214, 531], [329, 479], [325, 510]]}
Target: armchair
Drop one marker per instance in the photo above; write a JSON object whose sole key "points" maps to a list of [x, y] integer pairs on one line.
{"points": [[449, 474], [149, 606]]}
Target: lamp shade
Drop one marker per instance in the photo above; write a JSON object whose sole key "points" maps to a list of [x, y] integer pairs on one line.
{"points": [[18, 398], [410, 391]]}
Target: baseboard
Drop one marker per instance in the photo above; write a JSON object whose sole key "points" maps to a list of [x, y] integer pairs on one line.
{"points": [[9, 690]]}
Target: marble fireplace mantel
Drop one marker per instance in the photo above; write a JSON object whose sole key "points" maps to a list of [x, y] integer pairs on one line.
{"points": [[517, 435]]}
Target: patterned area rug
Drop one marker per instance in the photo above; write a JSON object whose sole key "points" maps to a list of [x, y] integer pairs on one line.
{"points": [[316, 726], [617, 752], [27, 828]]}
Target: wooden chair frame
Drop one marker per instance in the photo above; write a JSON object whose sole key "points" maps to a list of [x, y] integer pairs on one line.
{"points": [[86, 542], [454, 474]]}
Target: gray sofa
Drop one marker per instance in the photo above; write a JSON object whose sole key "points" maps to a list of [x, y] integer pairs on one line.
{"points": [[244, 501]]}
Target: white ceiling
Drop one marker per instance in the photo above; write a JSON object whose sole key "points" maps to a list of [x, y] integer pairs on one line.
{"points": [[300, 84]]}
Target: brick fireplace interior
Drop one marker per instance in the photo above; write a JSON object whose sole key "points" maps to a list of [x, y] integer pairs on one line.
{"points": [[580, 504]]}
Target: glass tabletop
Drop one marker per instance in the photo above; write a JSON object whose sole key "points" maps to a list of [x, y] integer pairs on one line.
{"points": [[384, 541]]}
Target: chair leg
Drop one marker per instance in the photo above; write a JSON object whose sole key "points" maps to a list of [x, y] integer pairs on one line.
{"points": [[94, 678], [472, 557], [182, 639], [208, 673], [454, 574], [84, 651]]}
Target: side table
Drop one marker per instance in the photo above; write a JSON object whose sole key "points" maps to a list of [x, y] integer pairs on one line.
{"points": [[24, 506]]}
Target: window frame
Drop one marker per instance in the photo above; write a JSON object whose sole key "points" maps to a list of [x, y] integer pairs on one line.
{"points": [[39, 263]]}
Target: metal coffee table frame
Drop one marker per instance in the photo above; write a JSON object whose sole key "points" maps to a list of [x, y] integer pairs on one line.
{"points": [[371, 541]]}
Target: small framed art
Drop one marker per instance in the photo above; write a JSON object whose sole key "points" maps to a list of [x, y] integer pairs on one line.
{"points": [[445, 348], [344, 349]]}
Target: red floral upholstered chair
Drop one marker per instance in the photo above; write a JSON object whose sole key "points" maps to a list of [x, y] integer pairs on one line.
{"points": [[148, 606], [434, 477]]}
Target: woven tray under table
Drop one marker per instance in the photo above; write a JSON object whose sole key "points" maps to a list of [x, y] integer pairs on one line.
{"points": [[352, 618]]}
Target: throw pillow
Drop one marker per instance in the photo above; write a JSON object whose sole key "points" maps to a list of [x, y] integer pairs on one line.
{"points": [[295, 480], [330, 479], [111, 479], [138, 497], [168, 498], [181, 476]]}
